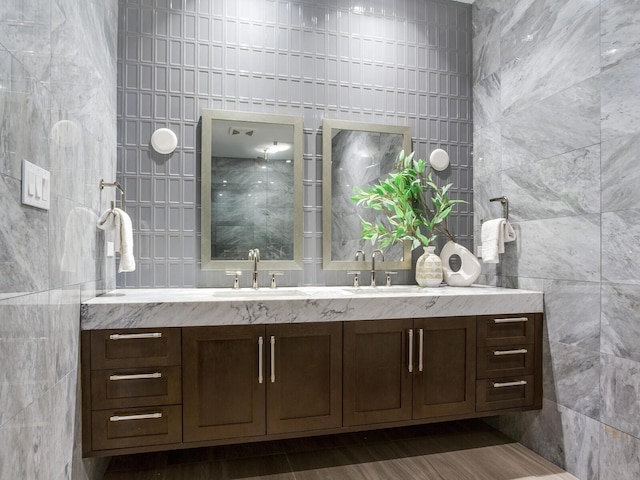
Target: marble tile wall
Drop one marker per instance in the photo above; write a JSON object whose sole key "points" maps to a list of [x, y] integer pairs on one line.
{"points": [[58, 111], [556, 129], [402, 62]]}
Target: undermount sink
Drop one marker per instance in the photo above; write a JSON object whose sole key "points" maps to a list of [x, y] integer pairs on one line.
{"points": [[251, 294], [266, 293], [382, 290]]}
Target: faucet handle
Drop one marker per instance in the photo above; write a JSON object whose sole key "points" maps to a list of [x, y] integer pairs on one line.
{"points": [[236, 280], [356, 278], [273, 278], [388, 274]]}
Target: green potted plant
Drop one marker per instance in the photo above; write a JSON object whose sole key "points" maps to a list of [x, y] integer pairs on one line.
{"points": [[407, 217]]}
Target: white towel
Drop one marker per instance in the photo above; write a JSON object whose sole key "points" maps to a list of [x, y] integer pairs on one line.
{"points": [[493, 236], [119, 221]]}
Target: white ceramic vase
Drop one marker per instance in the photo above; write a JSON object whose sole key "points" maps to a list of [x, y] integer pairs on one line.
{"points": [[470, 267], [429, 268]]}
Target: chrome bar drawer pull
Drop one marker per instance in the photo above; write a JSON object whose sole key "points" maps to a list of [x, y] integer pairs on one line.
{"points": [[411, 350], [420, 348], [520, 351], [518, 383], [273, 359], [143, 416], [511, 320], [137, 376], [260, 342], [130, 336]]}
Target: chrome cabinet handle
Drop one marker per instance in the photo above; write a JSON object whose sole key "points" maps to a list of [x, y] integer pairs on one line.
{"points": [[510, 320], [273, 359], [143, 416], [260, 342], [420, 348], [517, 383], [411, 350], [136, 376], [129, 336], [510, 352]]}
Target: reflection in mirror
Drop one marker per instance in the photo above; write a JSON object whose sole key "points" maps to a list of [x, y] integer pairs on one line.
{"points": [[251, 190], [356, 154]]}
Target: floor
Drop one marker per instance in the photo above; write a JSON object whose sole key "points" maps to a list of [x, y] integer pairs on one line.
{"points": [[447, 451]]}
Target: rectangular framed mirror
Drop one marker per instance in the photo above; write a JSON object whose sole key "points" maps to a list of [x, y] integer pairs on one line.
{"points": [[356, 154], [251, 170]]}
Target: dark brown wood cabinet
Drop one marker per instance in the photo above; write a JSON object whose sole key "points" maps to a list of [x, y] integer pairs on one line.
{"points": [[156, 389], [444, 374], [509, 362], [377, 382], [132, 388], [223, 394], [304, 388], [246, 381], [400, 370]]}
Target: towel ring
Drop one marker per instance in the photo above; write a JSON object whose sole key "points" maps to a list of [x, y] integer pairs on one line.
{"points": [[505, 205], [118, 186]]}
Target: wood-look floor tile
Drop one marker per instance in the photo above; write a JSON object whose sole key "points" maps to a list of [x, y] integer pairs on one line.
{"points": [[499, 462], [382, 461], [448, 451]]}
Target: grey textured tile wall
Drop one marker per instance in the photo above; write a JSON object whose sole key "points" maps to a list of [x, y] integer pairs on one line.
{"points": [[57, 110], [557, 129], [400, 63]]}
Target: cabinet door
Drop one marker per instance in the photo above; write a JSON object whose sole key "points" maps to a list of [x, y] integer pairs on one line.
{"points": [[223, 395], [444, 374], [304, 382], [377, 381]]}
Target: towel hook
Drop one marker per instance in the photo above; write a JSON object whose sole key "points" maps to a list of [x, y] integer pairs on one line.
{"points": [[505, 205], [118, 186]]}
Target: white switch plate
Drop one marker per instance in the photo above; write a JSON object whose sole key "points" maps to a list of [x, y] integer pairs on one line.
{"points": [[111, 251], [36, 183]]}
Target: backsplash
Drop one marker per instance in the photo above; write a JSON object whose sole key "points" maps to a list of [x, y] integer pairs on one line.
{"points": [[408, 63]]}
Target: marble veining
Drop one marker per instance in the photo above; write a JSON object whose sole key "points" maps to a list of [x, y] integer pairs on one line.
{"points": [[486, 101], [563, 122], [620, 177], [564, 185], [621, 321], [620, 99], [193, 307], [620, 383], [566, 248], [565, 58], [621, 246], [572, 313], [23, 243], [618, 455], [572, 377], [620, 31], [527, 23], [487, 151]]}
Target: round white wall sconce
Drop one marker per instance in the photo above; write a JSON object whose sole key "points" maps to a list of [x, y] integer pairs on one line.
{"points": [[439, 159], [164, 141]]}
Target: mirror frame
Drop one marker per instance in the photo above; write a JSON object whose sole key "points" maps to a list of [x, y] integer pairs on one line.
{"points": [[328, 126], [208, 115]]}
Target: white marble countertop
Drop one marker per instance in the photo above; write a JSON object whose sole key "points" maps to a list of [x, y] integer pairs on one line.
{"points": [[180, 307]]}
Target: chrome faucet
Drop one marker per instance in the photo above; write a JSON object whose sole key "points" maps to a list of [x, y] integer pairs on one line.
{"points": [[373, 265], [358, 253], [254, 254]]}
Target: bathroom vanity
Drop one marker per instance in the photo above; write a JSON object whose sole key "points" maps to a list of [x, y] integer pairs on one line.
{"points": [[179, 368]]}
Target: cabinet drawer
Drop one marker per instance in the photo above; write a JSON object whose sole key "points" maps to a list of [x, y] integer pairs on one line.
{"points": [[140, 347], [513, 360], [501, 330], [136, 387], [136, 427], [502, 393]]}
